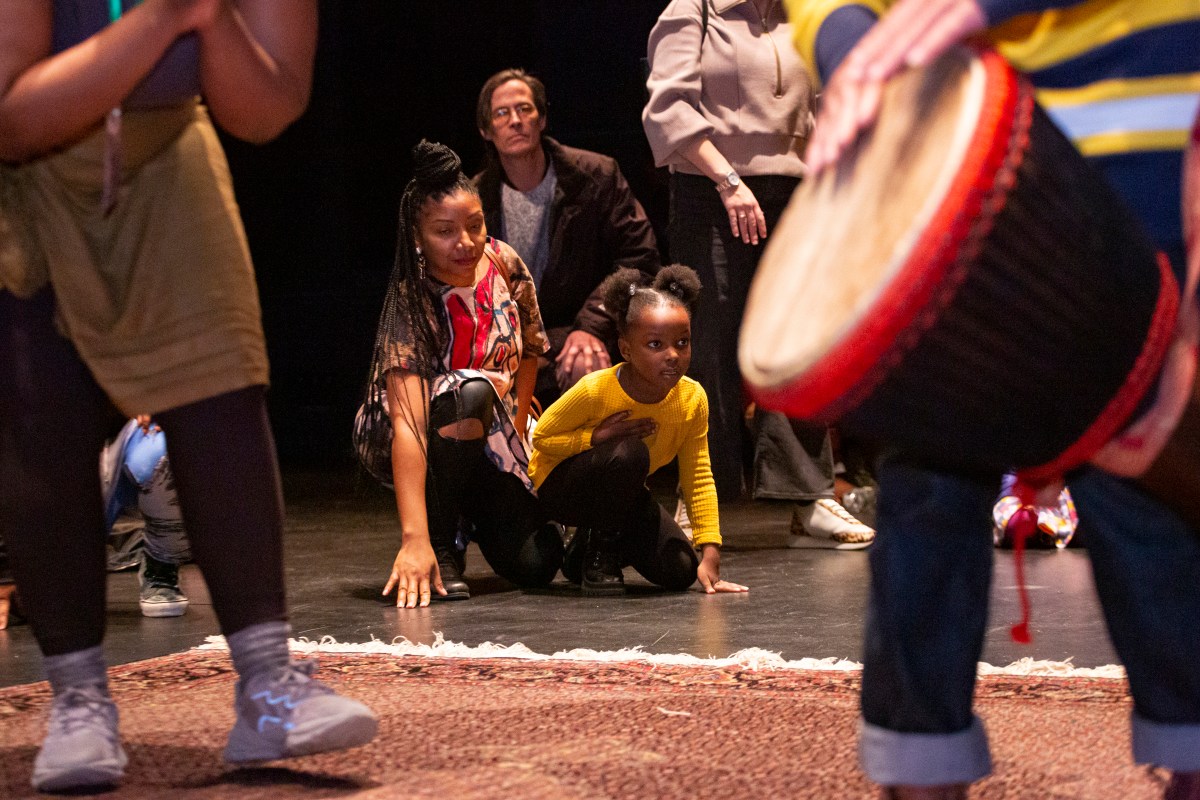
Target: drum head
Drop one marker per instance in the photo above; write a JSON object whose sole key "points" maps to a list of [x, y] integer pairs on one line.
{"points": [[827, 280]]}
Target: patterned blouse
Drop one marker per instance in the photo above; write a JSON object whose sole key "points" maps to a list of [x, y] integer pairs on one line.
{"points": [[492, 325]]}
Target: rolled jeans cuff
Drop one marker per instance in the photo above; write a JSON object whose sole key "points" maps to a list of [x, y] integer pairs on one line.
{"points": [[1172, 746], [892, 758]]}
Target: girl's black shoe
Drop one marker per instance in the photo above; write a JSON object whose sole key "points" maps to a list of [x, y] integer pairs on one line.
{"points": [[602, 564]]}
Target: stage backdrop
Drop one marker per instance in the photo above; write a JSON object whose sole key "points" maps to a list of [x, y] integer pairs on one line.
{"points": [[320, 203]]}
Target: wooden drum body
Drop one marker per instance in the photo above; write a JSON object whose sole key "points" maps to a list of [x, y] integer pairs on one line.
{"points": [[962, 284]]}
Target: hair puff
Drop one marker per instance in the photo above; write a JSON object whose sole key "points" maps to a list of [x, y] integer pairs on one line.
{"points": [[618, 291], [679, 281]]}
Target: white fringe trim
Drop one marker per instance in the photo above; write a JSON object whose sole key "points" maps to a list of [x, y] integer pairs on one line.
{"points": [[751, 658]]}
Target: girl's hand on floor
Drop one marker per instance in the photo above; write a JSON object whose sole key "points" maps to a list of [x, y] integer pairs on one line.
{"points": [[709, 573], [414, 573], [619, 426]]}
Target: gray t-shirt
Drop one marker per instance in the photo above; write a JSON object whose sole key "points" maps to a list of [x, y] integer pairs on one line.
{"points": [[527, 222]]}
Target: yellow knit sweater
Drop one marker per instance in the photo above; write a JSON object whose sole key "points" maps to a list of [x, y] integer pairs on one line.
{"points": [[565, 430]]}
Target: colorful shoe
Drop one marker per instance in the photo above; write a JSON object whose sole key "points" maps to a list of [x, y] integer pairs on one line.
{"points": [[824, 523], [160, 593], [1056, 524], [82, 748], [286, 712]]}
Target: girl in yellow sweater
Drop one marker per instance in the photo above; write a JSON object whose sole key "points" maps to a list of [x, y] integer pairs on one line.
{"points": [[595, 446]]}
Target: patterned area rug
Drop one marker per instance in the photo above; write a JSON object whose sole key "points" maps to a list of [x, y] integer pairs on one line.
{"points": [[484, 728]]}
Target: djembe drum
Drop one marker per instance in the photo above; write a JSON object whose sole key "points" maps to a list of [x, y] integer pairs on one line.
{"points": [[962, 284]]}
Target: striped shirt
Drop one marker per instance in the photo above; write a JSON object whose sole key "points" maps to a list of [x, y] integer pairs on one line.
{"points": [[1120, 77]]}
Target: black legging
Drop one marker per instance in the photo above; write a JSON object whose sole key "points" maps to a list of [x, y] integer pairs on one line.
{"points": [[52, 426], [509, 525], [605, 487]]}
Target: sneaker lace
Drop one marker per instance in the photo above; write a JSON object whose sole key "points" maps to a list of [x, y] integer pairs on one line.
{"points": [[80, 707], [297, 680]]}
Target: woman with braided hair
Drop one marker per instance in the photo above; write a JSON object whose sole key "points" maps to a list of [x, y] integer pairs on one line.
{"points": [[597, 444], [452, 378]]}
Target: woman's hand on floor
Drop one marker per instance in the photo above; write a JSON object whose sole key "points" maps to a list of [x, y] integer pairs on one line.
{"points": [[414, 572], [709, 573]]}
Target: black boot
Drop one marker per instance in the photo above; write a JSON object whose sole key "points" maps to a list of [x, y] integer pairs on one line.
{"points": [[572, 568], [452, 563], [602, 564]]}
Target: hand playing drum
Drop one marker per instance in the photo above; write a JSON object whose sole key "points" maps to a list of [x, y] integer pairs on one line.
{"points": [[932, 290], [913, 33]]}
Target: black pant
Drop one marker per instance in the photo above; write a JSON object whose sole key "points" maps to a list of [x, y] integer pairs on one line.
{"points": [[462, 483], [604, 487], [787, 465], [52, 426]]}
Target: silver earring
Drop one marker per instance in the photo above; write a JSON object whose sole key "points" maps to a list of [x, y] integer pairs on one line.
{"points": [[420, 264]]}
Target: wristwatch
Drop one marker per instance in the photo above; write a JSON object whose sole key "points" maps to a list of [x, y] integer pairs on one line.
{"points": [[732, 181]]}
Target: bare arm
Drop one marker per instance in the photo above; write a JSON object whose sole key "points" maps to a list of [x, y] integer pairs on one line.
{"points": [[746, 218], [415, 567], [256, 64], [526, 380], [50, 101]]}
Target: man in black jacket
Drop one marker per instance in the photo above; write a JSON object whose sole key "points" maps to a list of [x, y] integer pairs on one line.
{"points": [[570, 215]]}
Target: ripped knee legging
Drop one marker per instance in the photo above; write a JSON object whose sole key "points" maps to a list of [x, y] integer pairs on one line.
{"points": [[462, 483]]}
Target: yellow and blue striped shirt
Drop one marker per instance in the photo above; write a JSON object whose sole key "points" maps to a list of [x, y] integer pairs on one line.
{"points": [[1120, 77]]}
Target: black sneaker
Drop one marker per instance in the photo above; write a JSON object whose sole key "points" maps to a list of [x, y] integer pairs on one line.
{"points": [[602, 565], [160, 593], [451, 564]]}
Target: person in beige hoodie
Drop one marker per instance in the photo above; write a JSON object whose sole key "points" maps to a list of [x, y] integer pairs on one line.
{"points": [[729, 112]]}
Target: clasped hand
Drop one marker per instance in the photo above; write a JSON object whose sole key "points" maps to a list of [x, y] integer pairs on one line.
{"points": [[582, 353]]}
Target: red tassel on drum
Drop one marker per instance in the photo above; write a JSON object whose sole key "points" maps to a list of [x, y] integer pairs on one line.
{"points": [[1022, 525]]}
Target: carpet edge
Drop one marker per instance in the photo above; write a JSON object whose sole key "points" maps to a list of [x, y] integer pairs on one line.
{"points": [[753, 658]]}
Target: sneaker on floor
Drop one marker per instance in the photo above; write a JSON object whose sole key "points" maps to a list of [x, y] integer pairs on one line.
{"points": [[82, 748], [286, 712], [1056, 525], [160, 592], [682, 519], [824, 523]]}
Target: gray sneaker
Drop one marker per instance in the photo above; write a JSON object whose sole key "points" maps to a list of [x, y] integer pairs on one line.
{"points": [[82, 747], [160, 593], [286, 712]]}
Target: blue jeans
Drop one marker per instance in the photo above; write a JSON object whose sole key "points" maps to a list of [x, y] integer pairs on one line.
{"points": [[136, 473], [930, 580]]}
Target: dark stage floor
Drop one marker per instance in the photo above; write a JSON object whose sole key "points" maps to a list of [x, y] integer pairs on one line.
{"points": [[803, 603]]}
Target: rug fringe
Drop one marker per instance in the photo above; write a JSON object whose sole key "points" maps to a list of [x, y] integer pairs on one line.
{"points": [[753, 658]]}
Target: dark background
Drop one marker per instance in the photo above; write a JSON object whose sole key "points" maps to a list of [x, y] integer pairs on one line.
{"points": [[320, 203]]}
